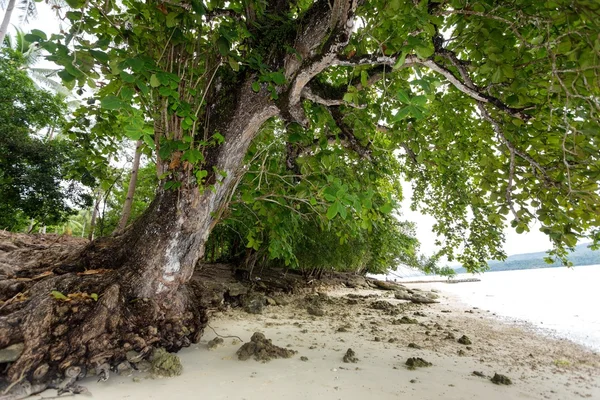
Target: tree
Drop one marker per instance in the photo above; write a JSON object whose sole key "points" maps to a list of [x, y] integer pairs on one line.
{"points": [[30, 54], [492, 108], [31, 169], [128, 203], [27, 8]]}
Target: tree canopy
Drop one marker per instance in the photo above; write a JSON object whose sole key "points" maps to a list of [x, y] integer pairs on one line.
{"points": [[34, 172], [488, 108]]}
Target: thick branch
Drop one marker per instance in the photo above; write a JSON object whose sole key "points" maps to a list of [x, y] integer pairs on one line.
{"points": [[308, 94], [412, 60], [348, 135], [326, 30]]}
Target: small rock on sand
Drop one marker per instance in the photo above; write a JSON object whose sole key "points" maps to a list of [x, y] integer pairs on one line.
{"points": [[500, 379], [262, 349], [165, 363], [405, 320], [215, 343], [350, 356], [316, 311], [414, 346], [417, 362], [464, 339]]}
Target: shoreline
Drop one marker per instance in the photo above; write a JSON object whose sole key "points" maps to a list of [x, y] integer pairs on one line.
{"points": [[539, 367], [522, 323]]}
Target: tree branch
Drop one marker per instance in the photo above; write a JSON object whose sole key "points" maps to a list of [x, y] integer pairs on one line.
{"points": [[308, 94], [412, 60], [326, 31]]}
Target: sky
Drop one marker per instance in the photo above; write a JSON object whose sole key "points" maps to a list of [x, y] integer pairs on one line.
{"points": [[527, 242]]}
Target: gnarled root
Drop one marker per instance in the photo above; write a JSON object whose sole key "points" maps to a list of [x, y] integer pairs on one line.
{"points": [[75, 323]]}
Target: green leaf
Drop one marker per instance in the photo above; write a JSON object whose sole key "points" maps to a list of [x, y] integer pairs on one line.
{"points": [[332, 211], [192, 156], [58, 295], [94, 296], [223, 45], [256, 86], [403, 96], [127, 93], [200, 175], [154, 82], [111, 103], [100, 55], [234, 64], [39, 34], [277, 78], [75, 3], [248, 197], [386, 208], [172, 19], [424, 52]]}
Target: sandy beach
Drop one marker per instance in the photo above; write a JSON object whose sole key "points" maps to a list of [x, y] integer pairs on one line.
{"points": [[539, 367]]}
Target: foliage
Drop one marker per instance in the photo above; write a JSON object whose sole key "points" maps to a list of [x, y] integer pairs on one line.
{"points": [[335, 214], [492, 107], [116, 194], [34, 173]]}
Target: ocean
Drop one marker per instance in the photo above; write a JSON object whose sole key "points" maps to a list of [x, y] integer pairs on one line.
{"points": [[561, 302]]}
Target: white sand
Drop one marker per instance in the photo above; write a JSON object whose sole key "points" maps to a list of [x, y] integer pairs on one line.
{"points": [[541, 368]]}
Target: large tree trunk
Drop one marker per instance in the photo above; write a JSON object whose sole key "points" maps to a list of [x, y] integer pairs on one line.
{"points": [[131, 189], [139, 275], [6, 20]]}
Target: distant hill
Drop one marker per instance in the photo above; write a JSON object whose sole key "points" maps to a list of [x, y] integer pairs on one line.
{"points": [[582, 255]]}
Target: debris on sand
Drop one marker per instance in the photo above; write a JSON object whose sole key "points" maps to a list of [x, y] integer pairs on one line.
{"points": [[500, 379], [303, 358], [262, 349], [386, 285], [479, 374], [450, 336], [165, 363], [417, 362], [215, 343], [316, 311], [382, 305], [350, 356], [405, 320], [464, 339], [414, 346]]}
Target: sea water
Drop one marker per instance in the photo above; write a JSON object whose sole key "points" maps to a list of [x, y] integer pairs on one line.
{"points": [[563, 302]]}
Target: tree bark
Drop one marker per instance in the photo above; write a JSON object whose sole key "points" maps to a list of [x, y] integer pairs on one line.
{"points": [[131, 189], [6, 20], [95, 215]]}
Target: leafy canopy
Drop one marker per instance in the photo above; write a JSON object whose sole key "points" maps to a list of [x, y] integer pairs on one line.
{"points": [[34, 173], [490, 106]]}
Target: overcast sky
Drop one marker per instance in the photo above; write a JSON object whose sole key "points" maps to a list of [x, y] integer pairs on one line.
{"points": [[524, 243]]}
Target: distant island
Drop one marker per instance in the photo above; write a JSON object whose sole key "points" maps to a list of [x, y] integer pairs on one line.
{"points": [[582, 255]]}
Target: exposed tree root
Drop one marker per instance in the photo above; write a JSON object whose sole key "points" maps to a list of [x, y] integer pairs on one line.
{"points": [[73, 321]]}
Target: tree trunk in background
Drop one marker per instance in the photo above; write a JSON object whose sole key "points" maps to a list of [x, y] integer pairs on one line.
{"points": [[6, 20], [95, 212], [131, 189]]}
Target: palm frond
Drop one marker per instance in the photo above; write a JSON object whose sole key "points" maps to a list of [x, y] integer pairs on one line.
{"points": [[28, 10]]}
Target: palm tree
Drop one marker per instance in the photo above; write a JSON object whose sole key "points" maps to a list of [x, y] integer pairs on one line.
{"points": [[31, 53], [27, 7]]}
